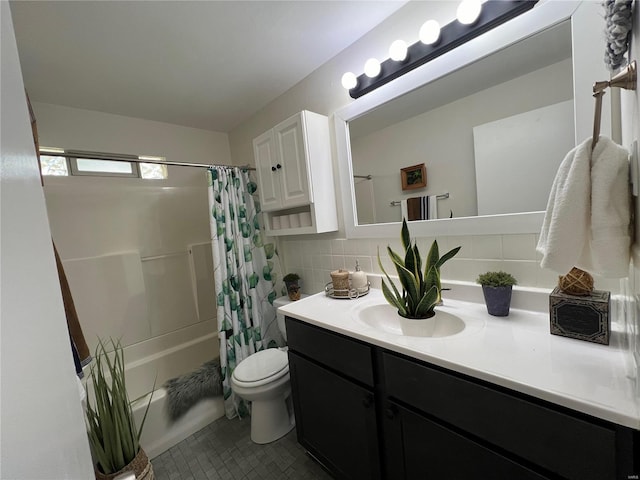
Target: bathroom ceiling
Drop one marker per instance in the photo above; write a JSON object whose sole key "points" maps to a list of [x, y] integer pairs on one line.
{"points": [[203, 64]]}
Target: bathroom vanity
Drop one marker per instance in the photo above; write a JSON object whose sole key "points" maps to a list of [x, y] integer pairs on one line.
{"points": [[502, 399]]}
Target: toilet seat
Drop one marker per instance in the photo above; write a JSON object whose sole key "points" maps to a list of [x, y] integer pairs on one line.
{"points": [[261, 368]]}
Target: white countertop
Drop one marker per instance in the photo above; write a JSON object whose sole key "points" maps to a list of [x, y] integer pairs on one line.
{"points": [[516, 352]]}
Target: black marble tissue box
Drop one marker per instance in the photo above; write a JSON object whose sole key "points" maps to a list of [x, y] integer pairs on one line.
{"points": [[581, 317]]}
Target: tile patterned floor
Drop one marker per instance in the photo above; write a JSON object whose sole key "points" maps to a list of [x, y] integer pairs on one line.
{"points": [[223, 450]]}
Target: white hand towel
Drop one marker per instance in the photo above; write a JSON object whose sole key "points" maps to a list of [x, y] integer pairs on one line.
{"points": [[566, 221], [404, 210], [610, 210], [433, 207], [587, 219]]}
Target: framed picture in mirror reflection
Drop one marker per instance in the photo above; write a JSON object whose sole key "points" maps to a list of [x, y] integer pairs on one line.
{"points": [[413, 177]]}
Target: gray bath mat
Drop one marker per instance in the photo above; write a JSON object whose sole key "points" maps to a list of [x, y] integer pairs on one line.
{"points": [[185, 391]]}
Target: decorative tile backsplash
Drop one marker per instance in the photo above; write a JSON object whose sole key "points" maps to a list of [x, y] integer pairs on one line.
{"points": [[314, 258]]}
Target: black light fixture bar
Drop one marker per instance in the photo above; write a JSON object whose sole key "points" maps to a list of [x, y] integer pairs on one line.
{"points": [[452, 35]]}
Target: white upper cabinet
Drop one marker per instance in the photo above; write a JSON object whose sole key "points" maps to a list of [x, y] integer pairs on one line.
{"points": [[295, 175], [281, 163]]}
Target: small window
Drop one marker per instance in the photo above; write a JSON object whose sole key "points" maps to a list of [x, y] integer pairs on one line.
{"points": [[56, 166], [89, 166]]}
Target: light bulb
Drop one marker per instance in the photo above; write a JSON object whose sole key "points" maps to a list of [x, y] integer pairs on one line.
{"points": [[429, 32], [398, 50], [372, 68], [349, 80], [468, 11]]}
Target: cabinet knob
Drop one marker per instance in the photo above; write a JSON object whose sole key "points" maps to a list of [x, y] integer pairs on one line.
{"points": [[390, 412], [278, 166], [273, 169], [367, 401]]}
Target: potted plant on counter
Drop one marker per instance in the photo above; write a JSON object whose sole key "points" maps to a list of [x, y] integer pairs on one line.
{"points": [[421, 292], [497, 287], [292, 282], [113, 434]]}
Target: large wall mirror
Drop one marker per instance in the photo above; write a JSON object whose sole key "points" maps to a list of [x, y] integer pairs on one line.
{"points": [[491, 121]]}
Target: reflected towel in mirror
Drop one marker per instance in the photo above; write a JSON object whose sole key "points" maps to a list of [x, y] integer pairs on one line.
{"points": [[420, 208]]}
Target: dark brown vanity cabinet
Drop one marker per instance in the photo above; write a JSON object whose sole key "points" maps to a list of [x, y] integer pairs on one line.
{"points": [[333, 400], [366, 412], [419, 448]]}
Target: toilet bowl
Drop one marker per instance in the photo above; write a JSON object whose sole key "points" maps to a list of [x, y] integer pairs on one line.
{"points": [[263, 380]]}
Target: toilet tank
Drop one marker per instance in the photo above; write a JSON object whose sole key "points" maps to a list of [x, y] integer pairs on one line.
{"points": [[281, 302]]}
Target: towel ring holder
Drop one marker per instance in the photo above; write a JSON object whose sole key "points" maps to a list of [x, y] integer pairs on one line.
{"points": [[626, 78]]}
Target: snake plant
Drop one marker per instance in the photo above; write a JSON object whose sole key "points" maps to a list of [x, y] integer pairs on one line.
{"points": [[420, 292]]}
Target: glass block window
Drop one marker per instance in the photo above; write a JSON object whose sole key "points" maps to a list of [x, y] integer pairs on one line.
{"points": [[153, 171], [52, 165]]}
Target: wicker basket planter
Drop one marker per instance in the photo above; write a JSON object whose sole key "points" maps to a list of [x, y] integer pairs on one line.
{"points": [[140, 466]]}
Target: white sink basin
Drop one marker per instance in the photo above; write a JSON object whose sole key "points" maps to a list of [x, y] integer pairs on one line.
{"points": [[385, 318]]}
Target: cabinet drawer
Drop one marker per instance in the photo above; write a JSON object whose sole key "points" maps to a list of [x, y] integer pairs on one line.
{"points": [[564, 444], [349, 357]]}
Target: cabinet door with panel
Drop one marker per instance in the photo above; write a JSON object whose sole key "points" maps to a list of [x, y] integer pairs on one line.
{"points": [[417, 448], [570, 446], [335, 420], [290, 138], [264, 150]]}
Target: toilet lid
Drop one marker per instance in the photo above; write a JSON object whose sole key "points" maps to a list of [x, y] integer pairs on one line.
{"points": [[261, 365]]}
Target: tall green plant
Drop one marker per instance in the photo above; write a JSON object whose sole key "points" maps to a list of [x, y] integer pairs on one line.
{"points": [[420, 292], [113, 435]]}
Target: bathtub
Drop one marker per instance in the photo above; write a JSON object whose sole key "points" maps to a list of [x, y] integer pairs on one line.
{"points": [[149, 364], [160, 434]]}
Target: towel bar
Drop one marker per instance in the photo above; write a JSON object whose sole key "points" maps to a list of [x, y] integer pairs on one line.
{"points": [[395, 203], [626, 79]]}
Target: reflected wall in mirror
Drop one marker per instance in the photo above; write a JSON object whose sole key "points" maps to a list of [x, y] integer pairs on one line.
{"points": [[491, 135]]}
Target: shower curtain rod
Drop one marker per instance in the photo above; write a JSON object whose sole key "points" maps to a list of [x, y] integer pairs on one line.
{"points": [[116, 157], [187, 164]]}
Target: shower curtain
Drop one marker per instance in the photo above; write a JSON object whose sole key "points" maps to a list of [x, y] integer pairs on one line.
{"points": [[247, 273]]}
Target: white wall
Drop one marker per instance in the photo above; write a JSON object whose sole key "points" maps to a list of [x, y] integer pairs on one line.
{"points": [[77, 129], [43, 433]]}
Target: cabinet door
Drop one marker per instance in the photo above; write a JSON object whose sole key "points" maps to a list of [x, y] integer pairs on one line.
{"points": [[292, 157], [571, 446], [335, 420], [264, 151], [418, 449]]}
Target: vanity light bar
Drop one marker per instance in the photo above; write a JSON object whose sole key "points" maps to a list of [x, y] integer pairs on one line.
{"points": [[452, 35]]}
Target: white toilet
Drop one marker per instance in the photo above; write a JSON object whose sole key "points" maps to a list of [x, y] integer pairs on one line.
{"points": [[263, 379]]}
